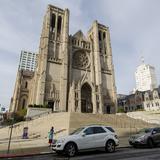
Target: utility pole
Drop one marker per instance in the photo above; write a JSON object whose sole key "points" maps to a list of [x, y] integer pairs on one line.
{"points": [[10, 136], [9, 143]]}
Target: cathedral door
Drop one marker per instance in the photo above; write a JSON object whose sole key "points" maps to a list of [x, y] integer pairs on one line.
{"points": [[86, 99], [51, 105], [108, 109]]}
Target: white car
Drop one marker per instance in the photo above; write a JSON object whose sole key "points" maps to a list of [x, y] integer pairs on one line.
{"points": [[87, 138]]}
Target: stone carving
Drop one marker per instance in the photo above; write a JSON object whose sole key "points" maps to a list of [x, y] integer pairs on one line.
{"points": [[52, 90]]}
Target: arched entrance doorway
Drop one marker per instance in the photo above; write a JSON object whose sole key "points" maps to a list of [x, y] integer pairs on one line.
{"points": [[51, 105], [108, 109], [86, 99]]}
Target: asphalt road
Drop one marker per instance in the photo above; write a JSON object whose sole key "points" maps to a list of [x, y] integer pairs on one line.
{"points": [[120, 154]]}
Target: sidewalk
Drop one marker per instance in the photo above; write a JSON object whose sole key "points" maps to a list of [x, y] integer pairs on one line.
{"points": [[37, 150]]}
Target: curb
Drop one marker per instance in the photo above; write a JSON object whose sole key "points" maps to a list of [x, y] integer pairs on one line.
{"points": [[35, 154], [24, 155]]}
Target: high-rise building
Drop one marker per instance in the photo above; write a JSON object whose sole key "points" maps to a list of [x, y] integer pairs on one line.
{"points": [[28, 61], [145, 77]]}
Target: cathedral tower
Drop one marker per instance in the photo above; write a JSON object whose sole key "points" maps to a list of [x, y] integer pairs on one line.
{"points": [[52, 71]]}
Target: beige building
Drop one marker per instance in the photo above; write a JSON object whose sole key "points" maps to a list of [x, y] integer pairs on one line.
{"points": [[22, 90], [75, 73]]}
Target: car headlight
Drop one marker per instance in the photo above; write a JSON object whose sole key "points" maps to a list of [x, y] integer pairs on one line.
{"points": [[140, 138], [60, 140], [116, 136]]}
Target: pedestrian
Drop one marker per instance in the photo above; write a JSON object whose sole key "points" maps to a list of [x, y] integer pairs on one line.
{"points": [[50, 136]]}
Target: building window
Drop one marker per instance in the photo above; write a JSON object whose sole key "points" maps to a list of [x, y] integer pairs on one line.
{"points": [[148, 105], [23, 103], [99, 35], [53, 18], [104, 35], [59, 24], [26, 84]]}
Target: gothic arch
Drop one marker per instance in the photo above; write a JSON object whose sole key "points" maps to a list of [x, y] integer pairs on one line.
{"points": [[26, 84], [23, 101], [86, 98]]}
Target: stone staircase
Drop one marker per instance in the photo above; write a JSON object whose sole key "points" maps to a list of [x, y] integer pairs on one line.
{"points": [[40, 127], [147, 116], [123, 124]]}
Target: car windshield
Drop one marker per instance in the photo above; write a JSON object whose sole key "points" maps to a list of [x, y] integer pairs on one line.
{"points": [[77, 131], [145, 130]]}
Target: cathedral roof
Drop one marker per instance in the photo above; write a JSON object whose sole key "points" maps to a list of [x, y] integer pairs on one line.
{"points": [[79, 35]]}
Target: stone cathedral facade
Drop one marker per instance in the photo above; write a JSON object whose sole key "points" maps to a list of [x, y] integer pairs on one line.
{"points": [[75, 73]]}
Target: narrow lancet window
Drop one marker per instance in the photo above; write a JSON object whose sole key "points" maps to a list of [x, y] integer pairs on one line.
{"points": [[53, 19], [59, 24]]}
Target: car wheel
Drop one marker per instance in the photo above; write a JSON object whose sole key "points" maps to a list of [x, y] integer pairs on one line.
{"points": [[150, 143], [70, 149], [110, 146]]}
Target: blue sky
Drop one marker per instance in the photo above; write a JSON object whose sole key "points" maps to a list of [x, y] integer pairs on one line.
{"points": [[134, 28]]}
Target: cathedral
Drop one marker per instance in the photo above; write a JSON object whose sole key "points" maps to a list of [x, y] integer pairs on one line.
{"points": [[75, 73]]}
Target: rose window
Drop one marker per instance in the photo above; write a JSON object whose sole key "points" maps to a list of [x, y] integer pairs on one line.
{"points": [[80, 60]]}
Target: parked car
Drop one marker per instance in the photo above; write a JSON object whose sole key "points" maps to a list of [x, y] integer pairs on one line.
{"points": [[147, 136], [87, 138]]}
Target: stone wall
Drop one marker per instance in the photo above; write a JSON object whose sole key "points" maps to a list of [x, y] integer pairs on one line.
{"points": [[35, 112]]}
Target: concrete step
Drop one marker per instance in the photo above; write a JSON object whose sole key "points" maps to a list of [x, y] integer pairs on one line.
{"points": [[123, 124]]}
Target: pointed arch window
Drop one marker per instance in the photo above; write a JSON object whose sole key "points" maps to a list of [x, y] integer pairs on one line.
{"points": [[26, 85], [53, 19], [59, 24]]}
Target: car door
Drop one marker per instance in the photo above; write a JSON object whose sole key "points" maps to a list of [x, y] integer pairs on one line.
{"points": [[156, 135], [99, 137], [85, 140]]}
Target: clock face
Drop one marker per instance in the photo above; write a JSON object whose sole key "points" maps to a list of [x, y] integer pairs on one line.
{"points": [[80, 60]]}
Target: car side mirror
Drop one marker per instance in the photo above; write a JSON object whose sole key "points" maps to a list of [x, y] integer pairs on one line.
{"points": [[154, 132], [83, 134]]}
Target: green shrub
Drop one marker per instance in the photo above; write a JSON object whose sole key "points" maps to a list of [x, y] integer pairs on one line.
{"points": [[120, 110], [30, 105], [140, 109], [18, 118], [22, 112], [7, 122]]}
